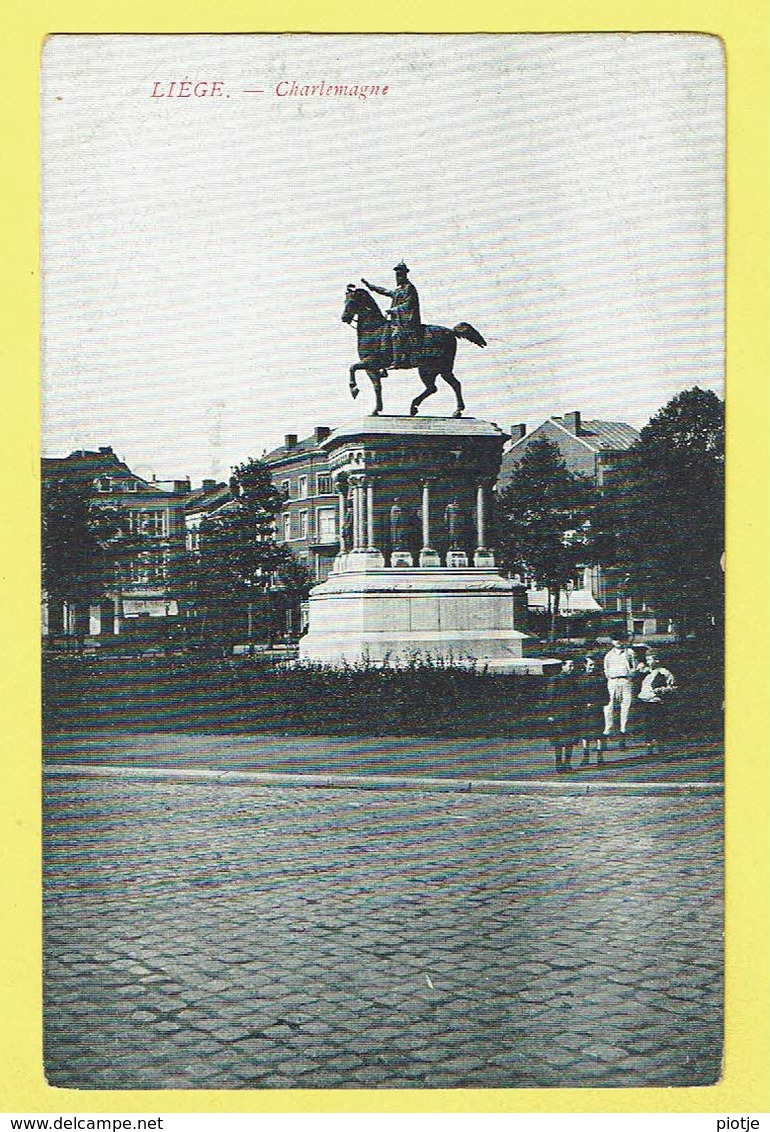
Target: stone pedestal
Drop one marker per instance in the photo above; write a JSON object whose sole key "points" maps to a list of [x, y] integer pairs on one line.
{"points": [[428, 478], [398, 615]]}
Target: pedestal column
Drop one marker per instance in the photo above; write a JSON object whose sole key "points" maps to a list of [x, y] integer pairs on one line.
{"points": [[370, 515], [480, 516], [341, 505], [428, 556], [358, 508], [482, 558], [353, 516], [364, 554], [425, 516]]}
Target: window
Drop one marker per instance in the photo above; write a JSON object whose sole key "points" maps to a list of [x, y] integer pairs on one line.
{"points": [[130, 485], [303, 526], [327, 524], [286, 488], [324, 485], [286, 526], [302, 487], [104, 483], [147, 569], [150, 523], [138, 571]]}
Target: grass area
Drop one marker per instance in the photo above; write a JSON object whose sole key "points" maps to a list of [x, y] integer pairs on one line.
{"points": [[190, 692]]}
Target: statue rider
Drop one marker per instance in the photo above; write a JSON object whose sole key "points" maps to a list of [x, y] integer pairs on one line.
{"points": [[406, 326]]}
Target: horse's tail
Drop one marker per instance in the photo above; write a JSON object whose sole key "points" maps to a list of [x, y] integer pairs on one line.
{"points": [[465, 330]]}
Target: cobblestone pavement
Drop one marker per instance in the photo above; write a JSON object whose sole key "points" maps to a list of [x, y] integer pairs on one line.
{"points": [[204, 937], [516, 757]]}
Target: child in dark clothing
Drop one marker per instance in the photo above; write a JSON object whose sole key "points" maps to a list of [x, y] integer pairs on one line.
{"points": [[561, 704], [593, 696]]}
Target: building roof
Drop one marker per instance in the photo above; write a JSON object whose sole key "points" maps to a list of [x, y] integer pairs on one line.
{"points": [[308, 444], [85, 466], [206, 497], [599, 436], [615, 435]]}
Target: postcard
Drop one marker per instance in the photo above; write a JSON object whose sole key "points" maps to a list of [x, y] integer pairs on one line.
{"points": [[383, 472], [510, 891]]}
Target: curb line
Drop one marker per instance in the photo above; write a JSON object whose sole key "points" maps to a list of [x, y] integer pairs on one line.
{"points": [[376, 782]]}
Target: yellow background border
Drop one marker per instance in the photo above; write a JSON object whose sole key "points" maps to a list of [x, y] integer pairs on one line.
{"points": [[743, 25]]}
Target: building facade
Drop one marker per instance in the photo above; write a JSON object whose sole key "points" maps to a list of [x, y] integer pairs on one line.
{"points": [[309, 520], [599, 450], [199, 505], [141, 585]]}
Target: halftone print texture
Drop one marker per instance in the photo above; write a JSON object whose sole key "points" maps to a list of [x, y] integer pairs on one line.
{"points": [[265, 875]]}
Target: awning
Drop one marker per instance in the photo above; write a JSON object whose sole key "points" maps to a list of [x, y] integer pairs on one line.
{"points": [[154, 607], [571, 602]]}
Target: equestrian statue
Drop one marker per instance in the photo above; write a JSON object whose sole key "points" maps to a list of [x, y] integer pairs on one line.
{"points": [[400, 341]]}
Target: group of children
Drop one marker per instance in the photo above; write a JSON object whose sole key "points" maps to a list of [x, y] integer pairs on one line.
{"points": [[580, 703]]}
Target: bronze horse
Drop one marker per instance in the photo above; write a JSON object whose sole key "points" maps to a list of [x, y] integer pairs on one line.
{"points": [[433, 356]]}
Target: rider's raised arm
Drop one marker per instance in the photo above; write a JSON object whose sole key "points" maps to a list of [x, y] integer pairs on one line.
{"points": [[379, 290]]}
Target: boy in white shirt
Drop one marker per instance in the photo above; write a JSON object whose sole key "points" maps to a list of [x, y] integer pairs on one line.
{"points": [[654, 697], [619, 667]]}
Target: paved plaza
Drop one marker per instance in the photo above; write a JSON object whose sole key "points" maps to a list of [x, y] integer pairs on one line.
{"points": [[208, 936], [514, 758]]}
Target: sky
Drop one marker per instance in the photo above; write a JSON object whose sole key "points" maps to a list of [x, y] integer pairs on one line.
{"points": [[563, 193]]}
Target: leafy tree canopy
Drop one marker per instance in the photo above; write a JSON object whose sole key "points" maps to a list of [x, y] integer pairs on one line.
{"points": [[81, 540], [667, 509], [546, 519], [239, 554], [255, 494], [690, 428]]}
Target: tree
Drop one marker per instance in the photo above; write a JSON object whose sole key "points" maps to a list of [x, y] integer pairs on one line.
{"points": [[240, 564], [667, 511], [82, 542], [546, 521]]}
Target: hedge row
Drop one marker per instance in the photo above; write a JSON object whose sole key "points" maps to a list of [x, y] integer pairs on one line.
{"points": [[190, 692]]}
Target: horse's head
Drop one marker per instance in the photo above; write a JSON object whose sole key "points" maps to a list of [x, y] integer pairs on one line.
{"points": [[357, 300]]}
